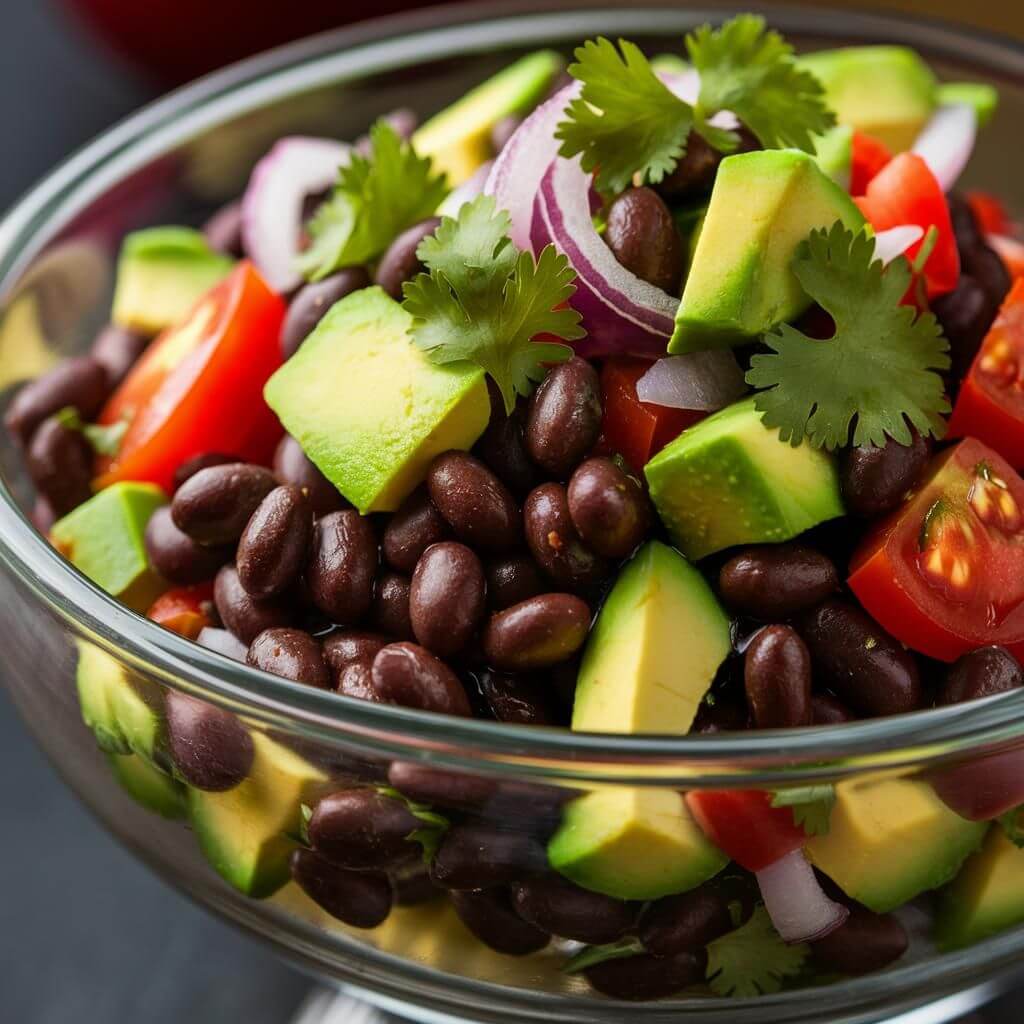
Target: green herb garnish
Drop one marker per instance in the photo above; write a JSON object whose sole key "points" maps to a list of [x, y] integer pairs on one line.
{"points": [[811, 806], [753, 960], [434, 826], [878, 374], [105, 438], [485, 301], [591, 956], [377, 197]]}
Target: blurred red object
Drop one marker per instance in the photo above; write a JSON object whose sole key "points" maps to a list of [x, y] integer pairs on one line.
{"points": [[177, 40]]}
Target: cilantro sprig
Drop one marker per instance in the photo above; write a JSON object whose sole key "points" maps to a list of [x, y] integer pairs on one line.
{"points": [[591, 956], [376, 198], [484, 301], [433, 826], [878, 375], [627, 122], [811, 806], [105, 439], [753, 960]]}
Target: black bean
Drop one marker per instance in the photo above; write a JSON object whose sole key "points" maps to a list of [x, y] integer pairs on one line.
{"points": [[412, 887], [453, 790], [214, 505], [360, 899], [80, 382], [363, 829], [223, 230], [776, 580], [503, 448], [312, 301], [204, 460], [965, 315], [244, 615], [828, 710], [291, 466], [608, 508], [176, 556], [411, 530], [474, 502], [489, 915], [351, 646], [777, 679], [554, 541], [722, 714], [643, 236], [876, 480], [292, 654], [981, 673], [685, 923], [117, 350], [866, 942], [856, 658], [518, 699], [59, 460], [273, 547], [210, 747], [342, 565], [645, 977], [564, 417], [400, 262], [986, 266], [694, 173], [478, 857], [356, 680], [391, 607], [512, 579], [537, 633], [555, 905], [447, 598], [410, 676], [966, 228]]}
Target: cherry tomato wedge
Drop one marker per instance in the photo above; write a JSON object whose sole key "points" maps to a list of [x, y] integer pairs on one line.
{"points": [[184, 610], [990, 213], [945, 573], [990, 405], [199, 386], [633, 429], [906, 192], [743, 824], [869, 156]]}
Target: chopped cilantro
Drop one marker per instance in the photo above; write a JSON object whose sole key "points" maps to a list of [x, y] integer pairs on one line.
{"points": [[878, 374], [105, 438], [485, 301], [591, 956], [434, 825], [753, 960], [811, 806], [1011, 824]]}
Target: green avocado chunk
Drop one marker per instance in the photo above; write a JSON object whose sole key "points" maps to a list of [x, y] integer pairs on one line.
{"points": [[982, 97], [458, 139], [636, 676], [368, 407], [148, 786], [161, 274], [104, 539], [741, 282], [729, 480], [633, 844]]}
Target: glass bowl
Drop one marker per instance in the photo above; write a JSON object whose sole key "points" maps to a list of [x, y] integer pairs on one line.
{"points": [[175, 161]]}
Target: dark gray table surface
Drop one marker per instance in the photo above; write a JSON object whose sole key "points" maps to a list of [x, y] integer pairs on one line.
{"points": [[89, 935]]}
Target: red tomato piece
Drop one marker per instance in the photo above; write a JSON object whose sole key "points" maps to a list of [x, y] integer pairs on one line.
{"points": [[906, 192], [990, 213], [990, 405], [1011, 252], [869, 156], [945, 573], [633, 429], [184, 610], [199, 386], [743, 824]]}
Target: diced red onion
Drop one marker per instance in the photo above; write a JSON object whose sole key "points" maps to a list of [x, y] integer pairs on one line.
{"points": [[466, 192], [947, 141], [896, 241], [699, 381], [223, 642], [295, 168], [796, 902]]}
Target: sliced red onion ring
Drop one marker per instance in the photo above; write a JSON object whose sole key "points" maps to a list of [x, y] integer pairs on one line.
{"points": [[699, 381], [295, 168], [466, 192], [223, 642], [947, 141], [896, 241], [796, 902]]}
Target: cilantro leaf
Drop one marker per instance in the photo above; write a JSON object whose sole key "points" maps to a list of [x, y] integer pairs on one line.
{"points": [[376, 199], [811, 806], [877, 374], [753, 960], [434, 825], [591, 956], [751, 71], [1011, 824], [484, 301], [105, 438]]}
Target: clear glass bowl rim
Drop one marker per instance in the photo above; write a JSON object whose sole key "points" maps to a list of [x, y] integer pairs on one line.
{"points": [[750, 758]]}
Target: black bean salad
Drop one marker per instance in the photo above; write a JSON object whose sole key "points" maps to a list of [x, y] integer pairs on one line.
{"points": [[661, 396]]}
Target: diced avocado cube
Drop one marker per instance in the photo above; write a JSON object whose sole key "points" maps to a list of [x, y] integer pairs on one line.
{"points": [[368, 407], [986, 897], [982, 97], [636, 677], [884, 91], [834, 153], [459, 137], [148, 786], [741, 282], [729, 480], [161, 274], [103, 538], [890, 840], [247, 833]]}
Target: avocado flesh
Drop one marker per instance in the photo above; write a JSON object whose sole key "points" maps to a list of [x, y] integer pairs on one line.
{"points": [[368, 407], [834, 154], [984, 99], [741, 283], [104, 539], [161, 274], [729, 480], [654, 650], [148, 786], [633, 844], [246, 833], [458, 139], [890, 840], [884, 91]]}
